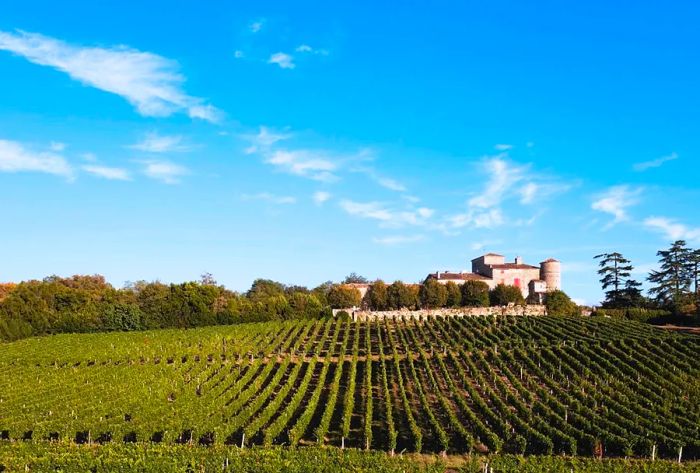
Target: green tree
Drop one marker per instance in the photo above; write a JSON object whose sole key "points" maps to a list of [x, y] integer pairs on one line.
{"points": [[504, 295], [695, 273], [377, 297], [304, 306], [559, 303], [433, 294], [341, 296], [321, 292], [620, 289], [400, 296], [263, 288], [673, 280], [475, 294], [354, 278], [454, 294]]}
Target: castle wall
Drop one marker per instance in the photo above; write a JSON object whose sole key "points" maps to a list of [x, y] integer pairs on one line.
{"points": [[524, 310], [550, 272], [516, 277], [481, 265]]}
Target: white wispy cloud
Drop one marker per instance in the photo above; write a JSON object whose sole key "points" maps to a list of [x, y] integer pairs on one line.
{"points": [[149, 82], [384, 181], [271, 198], [616, 200], [312, 164], [655, 163], [283, 60], [155, 143], [503, 147], [387, 216], [164, 171], [502, 176], [504, 180], [672, 229], [398, 239], [484, 208], [479, 219], [528, 192], [16, 157], [106, 172], [391, 184], [318, 165], [238, 54], [321, 197], [265, 139], [256, 26], [305, 48]]}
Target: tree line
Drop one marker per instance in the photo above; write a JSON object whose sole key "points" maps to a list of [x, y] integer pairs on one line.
{"points": [[673, 286], [90, 304]]}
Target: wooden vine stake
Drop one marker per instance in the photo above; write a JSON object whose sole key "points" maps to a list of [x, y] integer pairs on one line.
{"points": [[653, 452], [680, 454], [243, 441]]}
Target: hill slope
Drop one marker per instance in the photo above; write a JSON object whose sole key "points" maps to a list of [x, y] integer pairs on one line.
{"points": [[537, 385]]}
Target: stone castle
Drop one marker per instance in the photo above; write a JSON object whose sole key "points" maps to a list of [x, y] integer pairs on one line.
{"points": [[533, 281]]}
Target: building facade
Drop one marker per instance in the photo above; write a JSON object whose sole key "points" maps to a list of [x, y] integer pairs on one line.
{"points": [[492, 269]]}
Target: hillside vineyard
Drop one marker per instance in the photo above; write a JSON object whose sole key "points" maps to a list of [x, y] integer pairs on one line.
{"points": [[535, 385]]}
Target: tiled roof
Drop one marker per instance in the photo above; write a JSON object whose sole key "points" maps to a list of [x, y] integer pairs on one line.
{"points": [[551, 260], [513, 266], [458, 276]]}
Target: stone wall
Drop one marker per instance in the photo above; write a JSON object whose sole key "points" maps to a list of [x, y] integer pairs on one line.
{"points": [[529, 310]]}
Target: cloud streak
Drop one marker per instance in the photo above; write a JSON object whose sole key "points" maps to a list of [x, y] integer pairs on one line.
{"points": [[155, 143], [655, 163], [16, 157], [283, 60], [672, 229], [615, 201], [106, 172], [149, 82], [164, 171], [387, 216]]}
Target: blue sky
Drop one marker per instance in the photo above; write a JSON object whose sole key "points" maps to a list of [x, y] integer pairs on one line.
{"points": [[303, 141]]}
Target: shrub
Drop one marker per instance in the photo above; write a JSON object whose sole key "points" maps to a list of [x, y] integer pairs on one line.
{"points": [[401, 296], [559, 303], [377, 297], [504, 295], [341, 297], [432, 294], [475, 294], [454, 294]]}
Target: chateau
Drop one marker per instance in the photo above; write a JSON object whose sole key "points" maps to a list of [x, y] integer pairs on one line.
{"points": [[491, 268]]}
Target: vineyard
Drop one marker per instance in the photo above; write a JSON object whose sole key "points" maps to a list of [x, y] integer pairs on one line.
{"points": [[512, 385]]}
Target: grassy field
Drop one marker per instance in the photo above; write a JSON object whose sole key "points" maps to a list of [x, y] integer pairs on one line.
{"points": [[510, 385]]}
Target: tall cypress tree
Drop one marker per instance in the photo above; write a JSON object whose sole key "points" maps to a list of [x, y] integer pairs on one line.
{"points": [[675, 277]]}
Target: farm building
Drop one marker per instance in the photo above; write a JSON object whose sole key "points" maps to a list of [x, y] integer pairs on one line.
{"points": [[493, 270]]}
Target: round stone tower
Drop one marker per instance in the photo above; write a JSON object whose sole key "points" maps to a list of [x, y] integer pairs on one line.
{"points": [[550, 273]]}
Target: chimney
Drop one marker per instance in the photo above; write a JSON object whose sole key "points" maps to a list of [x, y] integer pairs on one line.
{"points": [[518, 260]]}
